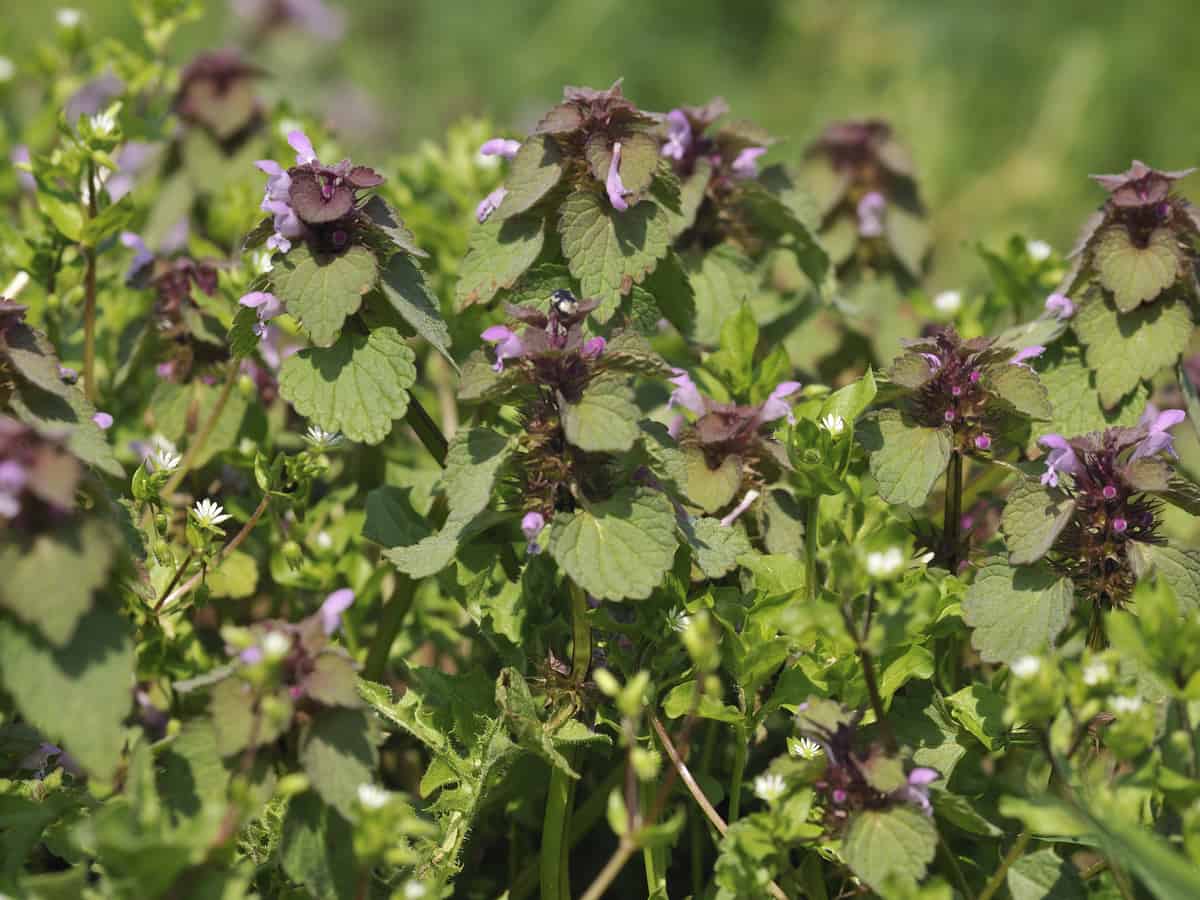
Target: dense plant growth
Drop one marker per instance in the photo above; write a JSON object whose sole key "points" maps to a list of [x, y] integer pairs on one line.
{"points": [[603, 511]]}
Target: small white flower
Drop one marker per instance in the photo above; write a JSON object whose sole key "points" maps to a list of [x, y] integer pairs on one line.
{"points": [[1126, 704], [322, 439], [925, 558], [1026, 666], [834, 424], [68, 17], [164, 457], [769, 788], [886, 563], [324, 541], [7, 69], [805, 748], [275, 645], [104, 123], [1039, 251], [414, 890], [948, 302], [1095, 673], [208, 512], [372, 796], [21, 280]]}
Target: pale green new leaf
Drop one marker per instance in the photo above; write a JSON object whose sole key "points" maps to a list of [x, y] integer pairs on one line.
{"points": [[619, 548], [906, 459], [1033, 518], [321, 291], [498, 253], [610, 251], [1137, 274], [1123, 349], [605, 420], [897, 843], [1016, 611], [357, 386]]}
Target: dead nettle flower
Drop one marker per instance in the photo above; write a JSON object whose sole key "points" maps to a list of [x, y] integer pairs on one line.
{"points": [[603, 138], [550, 350], [265, 305], [732, 151], [979, 390], [1060, 306], [1143, 223], [216, 93], [313, 200], [732, 433], [38, 478], [503, 149], [856, 777], [316, 17], [866, 192], [1112, 477]]}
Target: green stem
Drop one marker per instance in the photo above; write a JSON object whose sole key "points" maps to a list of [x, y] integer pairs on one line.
{"points": [[997, 879], [174, 580], [649, 854], [188, 586], [89, 296], [740, 754], [395, 611], [554, 830], [953, 512], [206, 430], [581, 634], [811, 533], [427, 430]]}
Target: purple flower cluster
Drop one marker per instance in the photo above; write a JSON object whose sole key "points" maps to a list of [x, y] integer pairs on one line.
{"points": [[313, 199], [1073, 457], [953, 384], [749, 418], [38, 478], [686, 142]]}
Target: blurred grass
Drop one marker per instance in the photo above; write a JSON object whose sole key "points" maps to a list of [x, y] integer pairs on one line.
{"points": [[1006, 106]]}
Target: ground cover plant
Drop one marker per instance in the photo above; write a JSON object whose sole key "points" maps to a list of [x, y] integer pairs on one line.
{"points": [[599, 510]]}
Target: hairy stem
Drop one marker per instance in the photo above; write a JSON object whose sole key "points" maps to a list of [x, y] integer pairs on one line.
{"points": [[89, 296], [997, 879], [395, 611], [740, 753], [206, 430], [554, 830], [190, 585], [174, 580], [868, 665], [427, 430], [581, 634], [811, 533], [953, 513]]}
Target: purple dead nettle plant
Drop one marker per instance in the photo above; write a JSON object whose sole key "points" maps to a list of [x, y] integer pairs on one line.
{"points": [[871, 213], [971, 388], [1112, 478], [858, 775], [38, 479], [311, 200], [216, 93]]}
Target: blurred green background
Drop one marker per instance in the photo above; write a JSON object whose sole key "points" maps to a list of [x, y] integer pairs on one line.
{"points": [[1006, 105]]}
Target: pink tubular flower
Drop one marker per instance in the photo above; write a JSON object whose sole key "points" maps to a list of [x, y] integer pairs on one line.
{"points": [[500, 147], [613, 184], [489, 204], [728, 520], [1060, 306], [531, 526], [142, 255], [983, 442], [1020, 357], [1061, 458], [679, 135], [508, 344], [593, 347], [333, 607], [916, 791], [686, 394], [776, 405], [870, 214], [1158, 437], [277, 202], [299, 142], [103, 420], [746, 163], [266, 304]]}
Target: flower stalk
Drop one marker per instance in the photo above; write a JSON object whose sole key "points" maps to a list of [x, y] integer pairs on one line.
{"points": [[89, 295]]}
